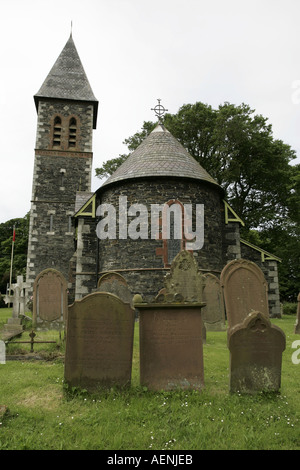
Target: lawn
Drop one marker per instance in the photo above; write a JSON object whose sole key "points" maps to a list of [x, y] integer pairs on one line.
{"points": [[42, 415]]}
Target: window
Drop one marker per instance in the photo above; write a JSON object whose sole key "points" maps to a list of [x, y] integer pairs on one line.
{"points": [[72, 132], [57, 132]]}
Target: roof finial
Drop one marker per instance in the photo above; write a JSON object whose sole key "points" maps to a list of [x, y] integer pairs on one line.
{"points": [[71, 28], [159, 110]]}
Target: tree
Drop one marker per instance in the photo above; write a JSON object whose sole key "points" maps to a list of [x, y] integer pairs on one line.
{"points": [[20, 249]]}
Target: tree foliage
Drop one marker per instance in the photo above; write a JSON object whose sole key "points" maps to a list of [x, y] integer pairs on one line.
{"points": [[20, 250]]}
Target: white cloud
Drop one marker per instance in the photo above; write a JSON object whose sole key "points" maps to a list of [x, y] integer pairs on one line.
{"points": [[135, 51]]}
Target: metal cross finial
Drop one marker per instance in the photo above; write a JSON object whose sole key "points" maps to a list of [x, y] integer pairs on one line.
{"points": [[159, 110]]}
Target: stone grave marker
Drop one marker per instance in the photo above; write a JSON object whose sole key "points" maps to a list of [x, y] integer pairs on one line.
{"points": [[297, 326], [213, 313], [245, 290], [99, 342], [256, 349], [17, 297], [2, 352], [50, 299], [171, 330], [185, 278], [115, 284]]}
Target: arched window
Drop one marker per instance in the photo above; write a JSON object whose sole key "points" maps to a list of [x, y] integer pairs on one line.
{"points": [[72, 132], [57, 132]]}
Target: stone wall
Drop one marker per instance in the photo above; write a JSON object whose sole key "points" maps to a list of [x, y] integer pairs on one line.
{"points": [[143, 262], [59, 172]]}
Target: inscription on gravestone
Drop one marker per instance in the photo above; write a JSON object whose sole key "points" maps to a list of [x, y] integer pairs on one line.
{"points": [[115, 284], [185, 278], [49, 299], [256, 349], [245, 290], [213, 313], [171, 330], [171, 347], [99, 342]]}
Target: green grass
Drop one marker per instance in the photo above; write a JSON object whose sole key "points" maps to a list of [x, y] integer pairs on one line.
{"points": [[42, 415]]}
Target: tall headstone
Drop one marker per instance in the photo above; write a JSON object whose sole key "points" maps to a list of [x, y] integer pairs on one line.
{"points": [[297, 326], [116, 284], [256, 349], [99, 342], [17, 297], [213, 313], [50, 300], [171, 330], [245, 290]]}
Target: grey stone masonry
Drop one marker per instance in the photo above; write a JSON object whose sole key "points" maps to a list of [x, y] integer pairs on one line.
{"points": [[60, 170]]}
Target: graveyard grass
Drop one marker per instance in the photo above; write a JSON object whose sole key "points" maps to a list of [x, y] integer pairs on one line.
{"points": [[42, 414]]}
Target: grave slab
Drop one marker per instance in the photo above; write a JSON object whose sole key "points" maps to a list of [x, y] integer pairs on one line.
{"points": [[99, 342]]}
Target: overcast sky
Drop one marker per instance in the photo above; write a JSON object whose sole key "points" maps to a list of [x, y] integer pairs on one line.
{"points": [[135, 51]]}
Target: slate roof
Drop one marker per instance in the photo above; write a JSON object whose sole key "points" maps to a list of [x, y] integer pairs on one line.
{"points": [[67, 79], [160, 154]]}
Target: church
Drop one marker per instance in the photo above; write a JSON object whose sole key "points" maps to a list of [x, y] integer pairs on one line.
{"points": [[67, 219]]}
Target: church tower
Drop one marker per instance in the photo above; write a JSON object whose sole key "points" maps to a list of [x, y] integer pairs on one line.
{"points": [[67, 114]]}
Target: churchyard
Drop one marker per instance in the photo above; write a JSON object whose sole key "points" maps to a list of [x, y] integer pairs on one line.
{"points": [[41, 413]]}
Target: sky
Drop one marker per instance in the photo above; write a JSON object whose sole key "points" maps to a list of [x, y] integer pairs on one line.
{"points": [[135, 52]]}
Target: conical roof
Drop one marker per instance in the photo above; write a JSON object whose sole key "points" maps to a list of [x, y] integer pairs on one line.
{"points": [[67, 79], [160, 154]]}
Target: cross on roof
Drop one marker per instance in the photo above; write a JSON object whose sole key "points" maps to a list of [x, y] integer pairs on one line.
{"points": [[159, 110]]}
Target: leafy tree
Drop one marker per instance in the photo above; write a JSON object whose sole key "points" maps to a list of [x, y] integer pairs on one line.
{"points": [[20, 249]]}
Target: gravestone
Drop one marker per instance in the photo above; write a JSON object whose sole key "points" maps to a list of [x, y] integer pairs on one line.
{"points": [[115, 284], [50, 300], [256, 349], [245, 290], [297, 326], [171, 330], [17, 298], [99, 342], [185, 278], [2, 352], [213, 313]]}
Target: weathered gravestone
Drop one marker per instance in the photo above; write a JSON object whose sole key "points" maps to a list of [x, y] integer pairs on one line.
{"points": [[171, 344], [99, 342], [50, 300], [256, 349], [2, 352], [213, 313], [184, 278], [115, 284], [245, 290], [297, 326], [16, 296]]}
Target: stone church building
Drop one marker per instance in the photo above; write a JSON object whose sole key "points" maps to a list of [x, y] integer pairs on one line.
{"points": [[65, 216]]}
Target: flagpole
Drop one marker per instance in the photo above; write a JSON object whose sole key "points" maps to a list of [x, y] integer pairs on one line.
{"points": [[12, 257]]}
